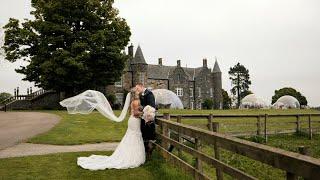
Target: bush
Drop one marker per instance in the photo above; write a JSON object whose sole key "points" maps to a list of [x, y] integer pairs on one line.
{"points": [[4, 96], [207, 104]]}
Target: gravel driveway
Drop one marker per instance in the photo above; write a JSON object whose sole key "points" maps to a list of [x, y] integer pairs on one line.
{"points": [[17, 127]]}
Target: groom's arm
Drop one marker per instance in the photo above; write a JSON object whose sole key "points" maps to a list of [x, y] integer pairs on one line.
{"points": [[151, 100]]}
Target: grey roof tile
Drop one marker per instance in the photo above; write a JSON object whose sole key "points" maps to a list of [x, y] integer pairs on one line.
{"points": [[138, 57]]}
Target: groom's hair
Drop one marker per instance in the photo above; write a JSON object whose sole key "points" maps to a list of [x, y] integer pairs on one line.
{"points": [[140, 84]]}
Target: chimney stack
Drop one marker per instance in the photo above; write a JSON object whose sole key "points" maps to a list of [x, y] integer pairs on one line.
{"points": [[160, 61], [205, 62], [130, 50], [179, 63]]}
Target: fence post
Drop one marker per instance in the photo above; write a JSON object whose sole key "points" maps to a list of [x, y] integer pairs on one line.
{"points": [[258, 125], [179, 135], [165, 131], [298, 124], [215, 128], [166, 116], [198, 161], [302, 150], [310, 127], [265, 128], [210, 117]]}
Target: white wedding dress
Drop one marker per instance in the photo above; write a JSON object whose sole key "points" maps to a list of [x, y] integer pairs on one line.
{"points": [[130, 153]]}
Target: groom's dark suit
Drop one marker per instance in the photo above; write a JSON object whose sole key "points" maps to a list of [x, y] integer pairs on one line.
{"points": [[148, 129]]}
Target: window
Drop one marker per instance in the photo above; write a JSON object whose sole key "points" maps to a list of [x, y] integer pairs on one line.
{"points": [[179, 77], [118, 83], [179, 92], [199, 91], [191, 92], [119, 98], [141, 77], [211, 92]]}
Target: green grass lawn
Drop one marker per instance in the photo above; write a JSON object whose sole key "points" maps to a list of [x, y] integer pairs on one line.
{"points": [[95, 128], [81, 129], [248, 124], [63, 166], [78, 129], [256, 168]]}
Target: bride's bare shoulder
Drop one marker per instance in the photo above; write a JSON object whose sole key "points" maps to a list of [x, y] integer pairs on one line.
{"points": [[135, 104]]}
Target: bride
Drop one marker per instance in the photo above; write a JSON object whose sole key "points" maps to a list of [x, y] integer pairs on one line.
{"points": [[130, 153]]}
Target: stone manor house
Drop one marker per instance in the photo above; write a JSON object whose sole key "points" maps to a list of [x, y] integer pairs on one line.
{"points": [[192, 85]]}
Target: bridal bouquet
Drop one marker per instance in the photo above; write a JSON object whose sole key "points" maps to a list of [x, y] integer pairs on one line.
{"points": [[148, 113]]}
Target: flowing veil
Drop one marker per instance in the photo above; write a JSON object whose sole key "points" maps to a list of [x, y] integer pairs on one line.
{"points": [[89, 100]]}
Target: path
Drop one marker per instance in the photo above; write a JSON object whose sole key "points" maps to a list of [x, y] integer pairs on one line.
{"points": [[16, 127], [28, 149]]}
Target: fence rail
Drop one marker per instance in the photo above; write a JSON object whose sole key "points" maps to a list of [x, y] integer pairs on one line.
{"points": [[262, 124], [292, 163]]}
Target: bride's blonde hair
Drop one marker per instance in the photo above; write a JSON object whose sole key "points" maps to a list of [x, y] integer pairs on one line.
{"points": [[134, 94]]}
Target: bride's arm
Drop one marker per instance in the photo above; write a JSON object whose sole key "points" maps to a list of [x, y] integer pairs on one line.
{"points": [[135, 110]]}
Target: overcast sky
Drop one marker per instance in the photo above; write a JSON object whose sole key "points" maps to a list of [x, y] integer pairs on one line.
{"points": [[277, 40]]}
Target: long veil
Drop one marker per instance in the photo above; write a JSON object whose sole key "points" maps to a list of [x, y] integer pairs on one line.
{"points": [[89, 100]]}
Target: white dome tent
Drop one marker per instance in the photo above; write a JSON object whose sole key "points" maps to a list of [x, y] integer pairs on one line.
{"points": [[287, 102], [251, 101], [167, 97]]}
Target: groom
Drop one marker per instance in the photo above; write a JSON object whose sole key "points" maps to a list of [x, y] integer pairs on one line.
{"points": [[147, 128]]}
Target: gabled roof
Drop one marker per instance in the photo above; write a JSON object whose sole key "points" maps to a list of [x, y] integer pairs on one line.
{"points": [[138, 57], [216, 67], [163, 72]]}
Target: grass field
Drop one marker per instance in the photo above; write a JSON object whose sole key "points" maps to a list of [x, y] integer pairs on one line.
{"points": [[63, 166], [81, 129], [248, 124], [78, 129], [94, 128]]}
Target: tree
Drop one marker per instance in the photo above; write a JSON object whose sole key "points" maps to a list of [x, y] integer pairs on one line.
{"points": [[208, 104], [245, 93], [291, 92], [71, 45], [226, 100], [240, 79], [4, 96]]}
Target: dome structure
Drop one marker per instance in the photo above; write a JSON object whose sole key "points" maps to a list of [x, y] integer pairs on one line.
{"points": [[166, 97], [287, 102], [252, 101]]}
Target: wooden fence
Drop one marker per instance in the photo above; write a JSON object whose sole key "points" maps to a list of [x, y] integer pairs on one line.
{"points": [[293, 164], [262, 124]]}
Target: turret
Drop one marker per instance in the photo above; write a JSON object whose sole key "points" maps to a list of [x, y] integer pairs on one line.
{"points": [[217, 86], [139, 68]]}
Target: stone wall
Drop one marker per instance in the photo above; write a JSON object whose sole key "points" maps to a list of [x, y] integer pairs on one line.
{"points": [[205, 83], [48, 100], [157, 84], [179, 79]]}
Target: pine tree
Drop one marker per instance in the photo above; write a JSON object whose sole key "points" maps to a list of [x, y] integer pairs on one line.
{"points": [[240, 79]]}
